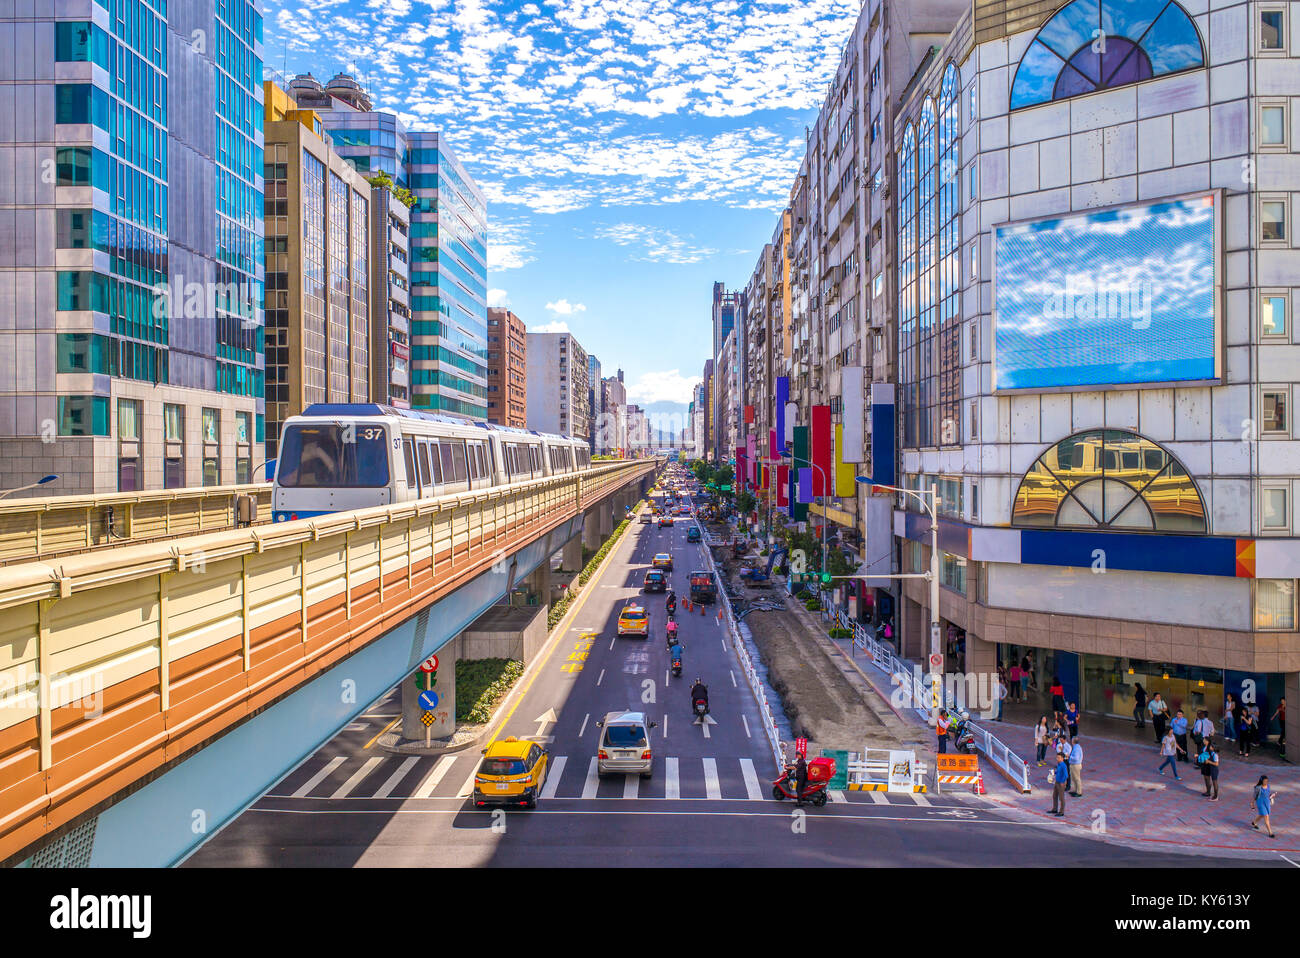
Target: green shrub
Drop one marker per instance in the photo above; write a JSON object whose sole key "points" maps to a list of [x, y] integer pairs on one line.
{"points": [[813, 605], [481, 684], [838, 633]]}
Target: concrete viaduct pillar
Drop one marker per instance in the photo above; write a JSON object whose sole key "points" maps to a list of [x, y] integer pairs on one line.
{"points": [[592, 523], [571, 555]]}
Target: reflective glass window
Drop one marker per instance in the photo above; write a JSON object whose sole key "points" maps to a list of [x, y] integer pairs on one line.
{"points": [[1273, 315], [1273, 511], [1275, 604], [1273, 220], [1271, 24]]}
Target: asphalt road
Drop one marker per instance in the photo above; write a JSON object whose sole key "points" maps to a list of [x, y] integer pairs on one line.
{"points": [[707, 802]]}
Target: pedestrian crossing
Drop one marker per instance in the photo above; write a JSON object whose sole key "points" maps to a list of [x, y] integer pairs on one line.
{"points": [[451, 776]]}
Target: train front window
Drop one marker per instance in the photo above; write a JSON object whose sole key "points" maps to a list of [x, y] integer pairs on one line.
{"points": [[352, 456]]}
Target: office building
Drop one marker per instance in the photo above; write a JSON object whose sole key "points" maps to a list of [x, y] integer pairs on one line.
{"points": [[130, 271], [595, 399], [611, 430], [507, 369]]}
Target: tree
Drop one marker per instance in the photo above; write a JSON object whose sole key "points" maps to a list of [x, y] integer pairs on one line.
{"points": [[745, 502], [402, 195]]}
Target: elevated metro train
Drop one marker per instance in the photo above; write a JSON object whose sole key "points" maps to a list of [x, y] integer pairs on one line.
{"points": [[335, 457]]}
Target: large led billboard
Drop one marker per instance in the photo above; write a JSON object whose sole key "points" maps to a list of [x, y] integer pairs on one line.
{"points": [[1124, 296]]}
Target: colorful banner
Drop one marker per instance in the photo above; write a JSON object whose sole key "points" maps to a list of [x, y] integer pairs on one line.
{"points": [[883, 429], [822, 452], [782, 397], [853, 401], [749, 414], [845, 472], [772, 452], [806, 490], [783, 487]]}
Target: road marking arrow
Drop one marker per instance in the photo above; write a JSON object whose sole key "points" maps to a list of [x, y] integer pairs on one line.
{"points": [[708, 720], [543, 720]]}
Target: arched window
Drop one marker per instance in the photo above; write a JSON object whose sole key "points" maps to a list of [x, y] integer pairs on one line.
{"points": [[948, 342], [1109, 479], [927, 219], [1091, 45]]}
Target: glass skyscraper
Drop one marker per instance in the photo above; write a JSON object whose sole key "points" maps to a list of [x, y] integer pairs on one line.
{"points": [[131, 281]]}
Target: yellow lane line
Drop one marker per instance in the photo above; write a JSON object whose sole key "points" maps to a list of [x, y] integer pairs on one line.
{"points": [[382, 731]]}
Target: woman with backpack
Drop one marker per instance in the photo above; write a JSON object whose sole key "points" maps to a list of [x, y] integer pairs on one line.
{"points": [[1263, 805], [1209, 762], [1245, 732], [1139, 705]]}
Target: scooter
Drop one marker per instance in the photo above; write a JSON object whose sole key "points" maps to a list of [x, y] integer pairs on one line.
{"points": [[962, 734], [677, 666], [820, 772], [701, 709], [671, 635]]}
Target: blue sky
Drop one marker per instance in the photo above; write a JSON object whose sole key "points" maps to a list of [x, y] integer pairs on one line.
{"points": [[632, 152]]}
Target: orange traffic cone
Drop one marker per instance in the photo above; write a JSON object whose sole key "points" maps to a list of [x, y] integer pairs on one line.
{"points": [[719, 615], [686, 604], [701, 610], [979, 782]]}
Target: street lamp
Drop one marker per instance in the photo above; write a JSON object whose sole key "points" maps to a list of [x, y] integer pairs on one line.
{"points": [[31, 485], [932, 507]]}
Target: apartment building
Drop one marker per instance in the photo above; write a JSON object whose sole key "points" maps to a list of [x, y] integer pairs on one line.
{"points": [[611, 431], [507, 369], [557, 385]]}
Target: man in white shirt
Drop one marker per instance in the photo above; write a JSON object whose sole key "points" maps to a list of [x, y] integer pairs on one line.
{"points": [[1202, 729], [1159, 710]]}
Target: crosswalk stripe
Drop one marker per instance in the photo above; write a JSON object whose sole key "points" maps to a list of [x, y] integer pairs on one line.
{"points": [[319, 777], [553, 777], [752, 788], [367, 767], [467, 789], [878, 798], [920, 799], [436, 774], [631, 784], [592, 781], [387, 788], [711, 787], [836, 796], [672, 785]]}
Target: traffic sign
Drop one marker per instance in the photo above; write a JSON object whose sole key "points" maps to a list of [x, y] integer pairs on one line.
{"points": [[801, 747], [430, 664], [429, 700], [936, 662], [427, 719]]}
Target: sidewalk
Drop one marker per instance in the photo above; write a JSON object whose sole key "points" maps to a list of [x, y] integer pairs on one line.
{"points": [[1125, 800]]}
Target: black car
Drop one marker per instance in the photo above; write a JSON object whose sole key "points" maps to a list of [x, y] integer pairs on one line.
{"points": [[655, 581]]}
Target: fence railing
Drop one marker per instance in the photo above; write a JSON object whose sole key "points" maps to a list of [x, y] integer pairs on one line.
{"points": [[875, 765], [35, 528], [907, 676]]}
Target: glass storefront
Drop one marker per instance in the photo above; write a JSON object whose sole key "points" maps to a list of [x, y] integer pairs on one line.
{"points": [[1108, 686]]}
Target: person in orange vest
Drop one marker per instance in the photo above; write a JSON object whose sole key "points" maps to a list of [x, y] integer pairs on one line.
{"points": [[941, 729]]}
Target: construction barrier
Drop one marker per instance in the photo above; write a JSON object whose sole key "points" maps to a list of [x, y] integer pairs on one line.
{"points": [[887, 770], [956, 770]]}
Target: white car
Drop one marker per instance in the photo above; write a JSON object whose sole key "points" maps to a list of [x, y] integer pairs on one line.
{"points": [[624, 744]]}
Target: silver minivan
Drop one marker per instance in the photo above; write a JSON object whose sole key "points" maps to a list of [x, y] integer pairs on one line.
{"points": [[624, 744]]}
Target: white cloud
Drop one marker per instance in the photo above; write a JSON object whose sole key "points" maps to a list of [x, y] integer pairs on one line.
{"points": [[498, 297], [559, 326], [667, 386], [657, 244], [564, 308]]}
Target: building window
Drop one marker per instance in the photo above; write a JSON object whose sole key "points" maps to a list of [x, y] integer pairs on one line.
{"points": [[173, 473], [1273, 314], [83, 415], [974, 420], [211, 471], [953, 573], [1272, 29], [241, 427], [211, 425], [128, 420], [1272, 125], [1274, 408], [1088, 46], [128, 474], [1273, 514], [1275, 605], [173, 422], [1272, 214]]}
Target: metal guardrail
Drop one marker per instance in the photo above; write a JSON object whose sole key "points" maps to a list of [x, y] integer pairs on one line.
{"points": [[906, 675], [35, 528], [747, 665], [875, 771]]}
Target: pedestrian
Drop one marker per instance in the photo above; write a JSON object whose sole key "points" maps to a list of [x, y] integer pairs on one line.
{"points": [[941, 730], [1062, 742], [1139, 705], [1057, 691], [1159, 710], [1024, 676], [1280, 717], [1076, 769], [1169, 749], [1029, 665], [1229, 717], [1040, 739], [1245, 732], [1060, 777], [1202, 730], [1257, 735], [1179, 727], [1002, 695], [1013, 680], [1263, 805], [1072, 719], [1209, 759]]}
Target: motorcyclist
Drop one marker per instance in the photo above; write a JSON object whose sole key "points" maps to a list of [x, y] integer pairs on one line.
{"points": [[672, 634], [672, 600], [699, 691], [800, 778], [675, 651]]}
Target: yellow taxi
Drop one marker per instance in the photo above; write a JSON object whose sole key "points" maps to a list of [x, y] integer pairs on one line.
{"points": [[662, 560], [511, 773], [633, 620]]}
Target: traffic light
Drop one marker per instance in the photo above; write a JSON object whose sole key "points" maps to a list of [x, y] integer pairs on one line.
{"points": [[826, 578]]}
